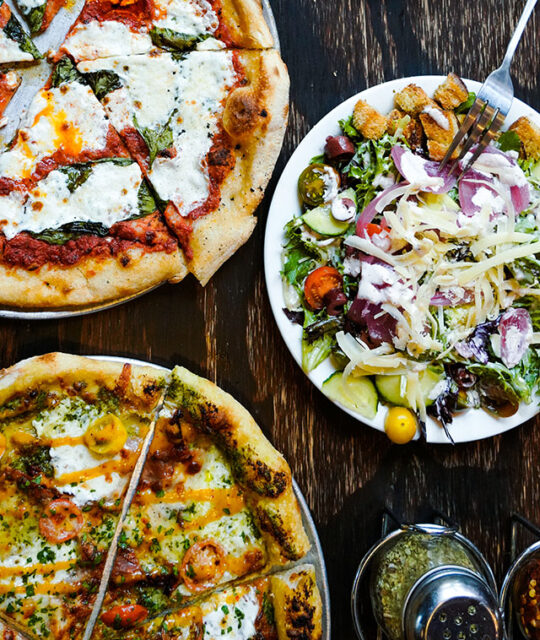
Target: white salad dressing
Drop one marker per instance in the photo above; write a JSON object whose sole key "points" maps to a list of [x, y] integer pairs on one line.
{"points": [[413, 167], [438, 116]]}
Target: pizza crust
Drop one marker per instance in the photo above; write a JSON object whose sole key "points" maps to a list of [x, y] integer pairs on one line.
{"points": [[259, 469], [218, 235], [297, 604], [245, 21], [91, 280], [61, 369]]}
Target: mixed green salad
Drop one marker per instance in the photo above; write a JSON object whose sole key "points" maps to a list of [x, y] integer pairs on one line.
{"points": [[422, 286]]}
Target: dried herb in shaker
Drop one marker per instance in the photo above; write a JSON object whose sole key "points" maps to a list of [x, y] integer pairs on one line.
{"points": [[399, 568]]}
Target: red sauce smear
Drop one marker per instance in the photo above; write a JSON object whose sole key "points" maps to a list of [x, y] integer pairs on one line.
{"points": [[5, 15], [136, 14], [222, 33], [51, 9], [29, 253]]}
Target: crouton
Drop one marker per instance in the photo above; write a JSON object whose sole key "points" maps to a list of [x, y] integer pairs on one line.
{"points": [[369, 121], [412, 132], [452, 92], [529, 134], [440, 128], [412, 99]]}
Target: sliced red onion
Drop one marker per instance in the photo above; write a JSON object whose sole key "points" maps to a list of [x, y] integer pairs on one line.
{"points": [[516, 332], [448, 300], [403, 159], [379, 204], [469, 188], [494, 162], [339, 148]]}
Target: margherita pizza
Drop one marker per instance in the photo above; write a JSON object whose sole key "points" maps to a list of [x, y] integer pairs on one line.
{"points": [[213, 516], [102, 201]]}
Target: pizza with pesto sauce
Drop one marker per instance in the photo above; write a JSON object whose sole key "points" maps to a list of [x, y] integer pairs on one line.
{"points": [[70, 433], [214, 513], [145, 155]]}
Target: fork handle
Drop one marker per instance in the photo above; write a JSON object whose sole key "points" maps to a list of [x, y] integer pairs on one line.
{"points": [[518, 32]]}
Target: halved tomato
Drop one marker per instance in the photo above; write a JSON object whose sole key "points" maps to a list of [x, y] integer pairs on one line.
{"points": [[61, 521], [203, 565], [319, 283], [124, 615]]}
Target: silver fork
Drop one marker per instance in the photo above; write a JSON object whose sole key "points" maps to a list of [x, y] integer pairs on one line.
{"points": [[492, 104]]}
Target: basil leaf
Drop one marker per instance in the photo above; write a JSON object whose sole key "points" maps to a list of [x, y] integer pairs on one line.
{"points": [[147, 204], [465, 106], [14, 31], [71, 231], [171, 40], [103, 82], [509, 141], [34, 17], [156, 140], [77, 174], [65, 71]]}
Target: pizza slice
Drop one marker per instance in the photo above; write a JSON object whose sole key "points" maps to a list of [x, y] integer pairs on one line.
{"points": [[215, 504], [15, 43], [114, 27], [9, 83], [206, 129], [71, 430], [38, 14], [79, 223], [278, 607]]}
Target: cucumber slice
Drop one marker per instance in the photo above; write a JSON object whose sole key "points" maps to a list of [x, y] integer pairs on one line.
{"points": [[322, 221], [357, 394], [391, 390]]}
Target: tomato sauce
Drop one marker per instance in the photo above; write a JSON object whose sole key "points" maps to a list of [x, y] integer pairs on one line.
{"points": [[30, 253], [137, 15], [5, 14]]}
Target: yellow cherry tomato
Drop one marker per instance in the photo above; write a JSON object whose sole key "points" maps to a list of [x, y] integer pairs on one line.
{"points": [[400, 425], [23, 438], [2, 444], [106, 436]]}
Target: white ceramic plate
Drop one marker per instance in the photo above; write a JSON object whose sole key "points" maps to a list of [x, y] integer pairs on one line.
{"points": [[468, 426]]}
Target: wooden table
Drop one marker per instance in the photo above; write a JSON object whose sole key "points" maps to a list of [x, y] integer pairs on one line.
{"points": [[226, 332]]}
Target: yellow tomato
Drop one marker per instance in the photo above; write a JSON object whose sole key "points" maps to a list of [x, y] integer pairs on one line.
{"points": [[22, 438], [2, 444], [106, 436], [400, 425]]}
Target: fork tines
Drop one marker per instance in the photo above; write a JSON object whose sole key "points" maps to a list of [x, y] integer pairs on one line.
{"points": [[481, 125]]}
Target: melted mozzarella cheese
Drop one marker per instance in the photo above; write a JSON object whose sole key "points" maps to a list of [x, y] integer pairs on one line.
{"points": [[67, 117], [110, 194], [205, 79], [189, 17], [10, 50], [150, 88], [71, 418], [26, 5], [97, 39], [236, 621]]}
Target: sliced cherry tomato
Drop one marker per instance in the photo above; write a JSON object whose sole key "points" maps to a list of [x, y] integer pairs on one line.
{"points": [[124, 615], [106, 436], [61, 521], [318, 184], [373, 229], [203, 565], [2, 444], [319, 283]]}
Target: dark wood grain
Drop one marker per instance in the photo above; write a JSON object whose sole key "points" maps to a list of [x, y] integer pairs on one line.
{"points": [[347, 471]]}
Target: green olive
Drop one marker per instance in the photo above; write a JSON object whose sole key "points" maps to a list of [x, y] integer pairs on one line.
{"points": [[317, 184]]}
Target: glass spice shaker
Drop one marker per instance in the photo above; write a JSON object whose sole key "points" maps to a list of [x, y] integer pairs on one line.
{"points": [[428, 582]]}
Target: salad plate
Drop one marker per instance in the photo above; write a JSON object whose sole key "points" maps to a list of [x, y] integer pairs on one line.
{"points": [[468, 425]]}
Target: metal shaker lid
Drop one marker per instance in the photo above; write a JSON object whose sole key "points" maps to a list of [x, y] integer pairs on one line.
{"points": [[452, 603]]}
